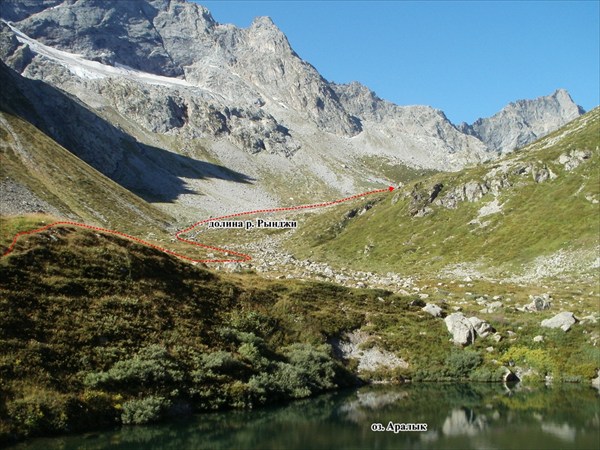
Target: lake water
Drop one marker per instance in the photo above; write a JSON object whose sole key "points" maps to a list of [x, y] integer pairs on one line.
{"points": [[461, 416]]}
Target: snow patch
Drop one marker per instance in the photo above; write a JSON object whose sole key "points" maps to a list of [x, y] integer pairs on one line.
{"points": [[91, 70]]}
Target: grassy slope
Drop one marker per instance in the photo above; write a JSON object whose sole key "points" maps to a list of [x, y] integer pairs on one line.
{"points": [[74, 188], [96, 330], [536, 219], [75, 303], [57, 176]]}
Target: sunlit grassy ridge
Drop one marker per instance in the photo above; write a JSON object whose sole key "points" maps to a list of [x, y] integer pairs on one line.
{"points": [[535, 219]]}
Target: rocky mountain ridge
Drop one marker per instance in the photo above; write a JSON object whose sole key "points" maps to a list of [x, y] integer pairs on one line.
{"points": [[165, 75], [524, 121]]}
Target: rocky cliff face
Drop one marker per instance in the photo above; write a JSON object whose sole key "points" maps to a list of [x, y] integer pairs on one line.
{"points": [[524, 121], [165, 74]]}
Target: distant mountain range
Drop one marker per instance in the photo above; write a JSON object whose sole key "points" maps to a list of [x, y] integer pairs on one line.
{"points": [[201, 117]]}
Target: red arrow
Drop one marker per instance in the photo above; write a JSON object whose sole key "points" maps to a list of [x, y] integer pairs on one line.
{"points": [[243, 256]]}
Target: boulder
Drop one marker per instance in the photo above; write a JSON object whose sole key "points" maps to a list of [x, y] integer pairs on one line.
{"points": [[573, 159], [596, 381], [539, 303], [234, 267], [461, 328], [474, 191], [509, 376], [563, 320], [481, 327], [538, 338], [495, 305], [432, 309], [492, 307]]}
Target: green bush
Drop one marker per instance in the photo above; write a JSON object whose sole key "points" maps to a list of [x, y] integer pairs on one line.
{"points": [[537, 359], [152, 366], [486, 373], [315, 363], [460, 363], [254, 356], [254, 322], [146, 410], [222, 363], [308, 370], [41, 411]]}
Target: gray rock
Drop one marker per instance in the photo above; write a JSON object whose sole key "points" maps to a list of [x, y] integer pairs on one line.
{"points": [[524, 121], [495, 305], [234, 267], [539, 303], [350, 346], [563, 320], [461, 328], [481, 327], [492, 307], [596, 381], [474, 191], [226, 95], [542, 174], [510, 376], [571, 160], [538, 338], [432, 309]]}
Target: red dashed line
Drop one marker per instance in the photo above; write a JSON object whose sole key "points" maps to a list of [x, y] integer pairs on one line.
{"points": [[243, 256]]}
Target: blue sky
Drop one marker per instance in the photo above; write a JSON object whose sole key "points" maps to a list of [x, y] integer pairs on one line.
{"points": [[467, 58]]}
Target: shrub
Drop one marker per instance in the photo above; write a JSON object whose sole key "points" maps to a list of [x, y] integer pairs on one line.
{"points": [[146, 410], [239, 337], [152, 366], [460, 363], [221, 363], [315, 363], [41, 411], [536, 359], [253, 355], [486, 373], [308, 370], [254, 322]]}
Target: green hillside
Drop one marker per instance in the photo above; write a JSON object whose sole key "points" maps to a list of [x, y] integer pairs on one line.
{"points": [[77, 190], [97, 331], [531, 204]]}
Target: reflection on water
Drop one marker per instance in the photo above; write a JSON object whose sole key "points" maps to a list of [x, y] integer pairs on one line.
{"points": [[464, 421], [457, 415], [564, 431]]}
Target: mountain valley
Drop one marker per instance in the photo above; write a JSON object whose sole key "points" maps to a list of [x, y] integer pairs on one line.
{"points": [[479, 263]]}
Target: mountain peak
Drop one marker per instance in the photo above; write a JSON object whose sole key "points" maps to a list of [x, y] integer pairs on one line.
{"points": [[561, 92], [265, 29], [563, 97], [248, 84], [523, 121], [263, 21]]}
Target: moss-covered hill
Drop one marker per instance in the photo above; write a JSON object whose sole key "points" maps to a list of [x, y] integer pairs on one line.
{"points": [[96, 330], [536, 207]]}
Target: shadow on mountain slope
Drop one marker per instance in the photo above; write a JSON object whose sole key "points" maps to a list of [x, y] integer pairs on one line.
{"points": [[151, 172]]}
